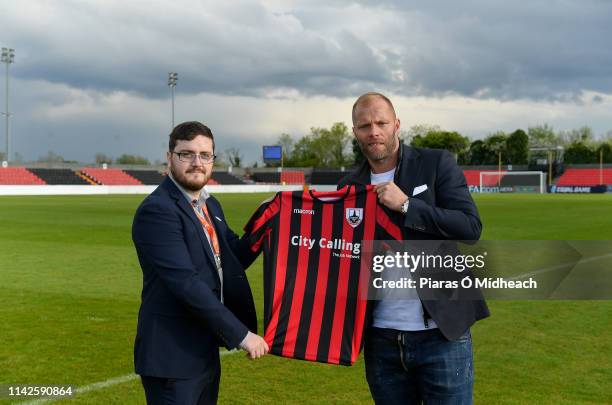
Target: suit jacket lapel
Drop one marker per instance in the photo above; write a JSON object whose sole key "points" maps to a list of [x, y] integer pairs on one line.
{"points": [[409, 170], [188, 210]]}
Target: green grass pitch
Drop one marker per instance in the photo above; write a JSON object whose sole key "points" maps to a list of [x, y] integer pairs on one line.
{"points": [[70, 285]]}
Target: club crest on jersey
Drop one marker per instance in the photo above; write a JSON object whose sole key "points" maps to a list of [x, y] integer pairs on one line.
{"points": [[354, 216]]}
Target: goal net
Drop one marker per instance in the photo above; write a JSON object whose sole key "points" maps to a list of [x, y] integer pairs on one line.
{"points": [[512, 182]]}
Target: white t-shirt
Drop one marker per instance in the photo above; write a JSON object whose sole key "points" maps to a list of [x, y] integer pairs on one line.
{"points": [[405, 313]]}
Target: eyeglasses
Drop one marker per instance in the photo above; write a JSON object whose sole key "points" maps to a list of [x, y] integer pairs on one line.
{"points": [[190, 156]]}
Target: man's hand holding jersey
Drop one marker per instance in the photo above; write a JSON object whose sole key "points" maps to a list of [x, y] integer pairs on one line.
{"points": [[254, 345], [390, 195]]}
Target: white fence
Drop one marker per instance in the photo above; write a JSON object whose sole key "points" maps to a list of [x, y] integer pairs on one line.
{"points": [[101, 190]]}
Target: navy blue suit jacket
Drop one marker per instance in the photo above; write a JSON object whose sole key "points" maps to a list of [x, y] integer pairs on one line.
{"points": [[181, 321]]}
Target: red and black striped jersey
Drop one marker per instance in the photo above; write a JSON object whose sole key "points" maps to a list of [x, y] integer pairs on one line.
{"points": [[314, 308]]}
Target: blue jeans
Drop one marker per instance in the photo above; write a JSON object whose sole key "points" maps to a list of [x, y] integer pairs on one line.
{"points": [[421, 367]]}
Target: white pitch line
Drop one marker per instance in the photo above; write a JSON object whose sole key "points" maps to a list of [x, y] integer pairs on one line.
{"points": [[560, 266], [100, 385]]}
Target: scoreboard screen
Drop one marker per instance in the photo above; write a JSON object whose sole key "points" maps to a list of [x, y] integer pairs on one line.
{"points": [[272, 153]]}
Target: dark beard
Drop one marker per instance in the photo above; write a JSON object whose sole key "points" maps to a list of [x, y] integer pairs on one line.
{"points": [[186, 184]]}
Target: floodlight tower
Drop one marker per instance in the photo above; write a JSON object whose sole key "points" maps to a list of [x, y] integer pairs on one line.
{"points": [[8, 57], [172, 79]]}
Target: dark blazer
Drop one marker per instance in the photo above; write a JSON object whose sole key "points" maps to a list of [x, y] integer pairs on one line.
{"points": [[445, 210], [181, 321]]}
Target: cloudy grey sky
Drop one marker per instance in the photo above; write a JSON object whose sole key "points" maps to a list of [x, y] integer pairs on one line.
{"points": [[91, 76]]}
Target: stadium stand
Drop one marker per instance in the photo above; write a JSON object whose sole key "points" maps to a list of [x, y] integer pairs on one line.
{"points": [[114, 176], [266, 177], [147, 177], [59, 176], [153, 177], [87, 179], [288, 177], [292, 177], [18, 176], [226, 178], [110, 177], [323, 177], [473, 178], [585, 177], [97, 176]]}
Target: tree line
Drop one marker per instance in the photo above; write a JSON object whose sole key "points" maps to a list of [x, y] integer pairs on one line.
{"points": [[336, 147]]}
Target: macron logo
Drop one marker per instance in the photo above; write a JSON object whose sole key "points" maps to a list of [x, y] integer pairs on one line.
{"points": [[303, 212]]}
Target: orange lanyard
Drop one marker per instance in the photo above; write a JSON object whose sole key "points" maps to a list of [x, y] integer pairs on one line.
{"points": [[210, 229]]}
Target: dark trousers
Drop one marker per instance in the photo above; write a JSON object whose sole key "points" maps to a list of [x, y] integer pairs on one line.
{"points": [[200, 390], [421, 367]]}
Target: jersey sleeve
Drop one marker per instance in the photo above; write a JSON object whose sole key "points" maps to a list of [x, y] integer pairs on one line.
{"points": [[260, 224], [386, 229]]}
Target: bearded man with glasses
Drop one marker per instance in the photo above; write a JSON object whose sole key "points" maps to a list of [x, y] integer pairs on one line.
{"points": [[195, 294]]}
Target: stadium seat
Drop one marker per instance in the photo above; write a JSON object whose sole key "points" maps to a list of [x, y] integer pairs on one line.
{"points": [[585, 177], [148, 177], [292, 177], [473, 178], [110, 177], [266, 177], [226, 178], [59, 176], [18, 176], [330, 177]]}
